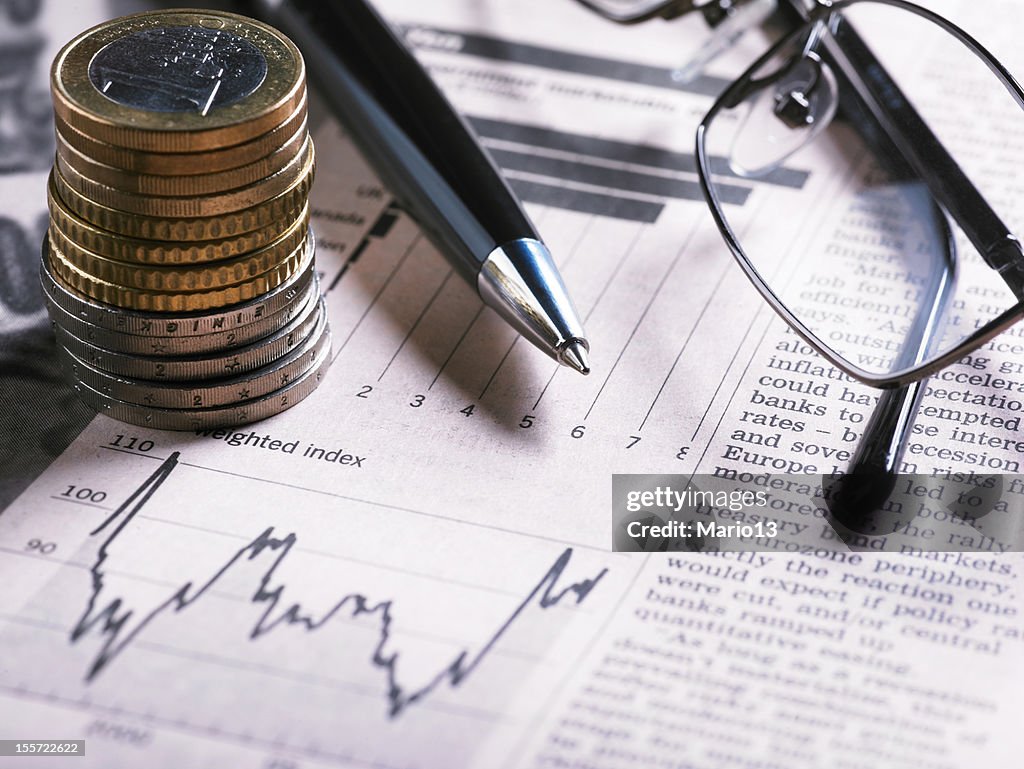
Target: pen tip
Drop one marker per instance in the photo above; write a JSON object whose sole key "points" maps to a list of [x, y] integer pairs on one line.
{"points": [[574, 355]]}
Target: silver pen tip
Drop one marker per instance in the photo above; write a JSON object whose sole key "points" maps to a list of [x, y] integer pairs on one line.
{"points": [[574, 355]]}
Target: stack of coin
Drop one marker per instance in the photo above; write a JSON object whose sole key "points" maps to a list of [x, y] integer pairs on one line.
{"points": [[179, 264]]}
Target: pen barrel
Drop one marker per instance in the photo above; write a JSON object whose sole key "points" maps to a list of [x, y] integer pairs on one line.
{"points": [[417, 143]]}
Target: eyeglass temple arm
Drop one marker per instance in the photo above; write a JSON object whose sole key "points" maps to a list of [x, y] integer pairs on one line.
{"points": [[877, 459], [874, 468], [875, 463], [846, 52], [908, 143], [871, 475]]}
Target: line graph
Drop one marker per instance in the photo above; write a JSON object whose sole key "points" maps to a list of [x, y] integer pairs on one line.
{"points": [[116, 621]]}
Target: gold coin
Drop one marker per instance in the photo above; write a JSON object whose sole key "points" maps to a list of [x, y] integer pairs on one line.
{"points": [[177, 81], [176, 278], [135, 250], [196, 205], [176, 301], [177, 186], [187, 163], [284, 206]]}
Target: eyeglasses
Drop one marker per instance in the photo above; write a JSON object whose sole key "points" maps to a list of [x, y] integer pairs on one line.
{"points": [[897, 259]]}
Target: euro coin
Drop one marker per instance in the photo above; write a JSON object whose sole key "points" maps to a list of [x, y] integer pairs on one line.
{"points": [[250, 410], [194, 366], [179, 185], [192, 206], [284, 206], [142, 251], [229, 391], [160, 346], [223, 339], [282, 299], [177, 81], [179, 265], [178, 301], [187, 163], [208, 275]]}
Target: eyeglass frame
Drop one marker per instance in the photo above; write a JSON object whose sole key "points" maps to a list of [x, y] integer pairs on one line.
{"points": [[819, 15], [817, 18]]}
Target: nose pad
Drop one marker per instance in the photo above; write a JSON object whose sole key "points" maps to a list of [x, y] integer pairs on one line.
{"points": [[789, 109]]}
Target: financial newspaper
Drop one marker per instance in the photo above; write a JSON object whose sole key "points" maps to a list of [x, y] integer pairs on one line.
{"points": [[413, 567]]}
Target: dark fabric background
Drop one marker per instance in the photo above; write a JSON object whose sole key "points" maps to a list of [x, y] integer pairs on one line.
{"points": [[39, 412]]}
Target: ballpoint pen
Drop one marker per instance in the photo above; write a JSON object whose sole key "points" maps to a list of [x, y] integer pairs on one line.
{"points": [[430, 160]]}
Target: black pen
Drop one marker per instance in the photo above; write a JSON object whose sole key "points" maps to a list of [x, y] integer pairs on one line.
{"points": [[431, 161]]}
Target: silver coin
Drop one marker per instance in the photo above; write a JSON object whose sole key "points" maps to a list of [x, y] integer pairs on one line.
{"points": [[197, 367], [178, 69], [203, 419], [175, 325], [199, 394], [214, 341]]}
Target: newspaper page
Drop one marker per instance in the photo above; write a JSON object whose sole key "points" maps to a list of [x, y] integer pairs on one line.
{"points": [[413, 567]]}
